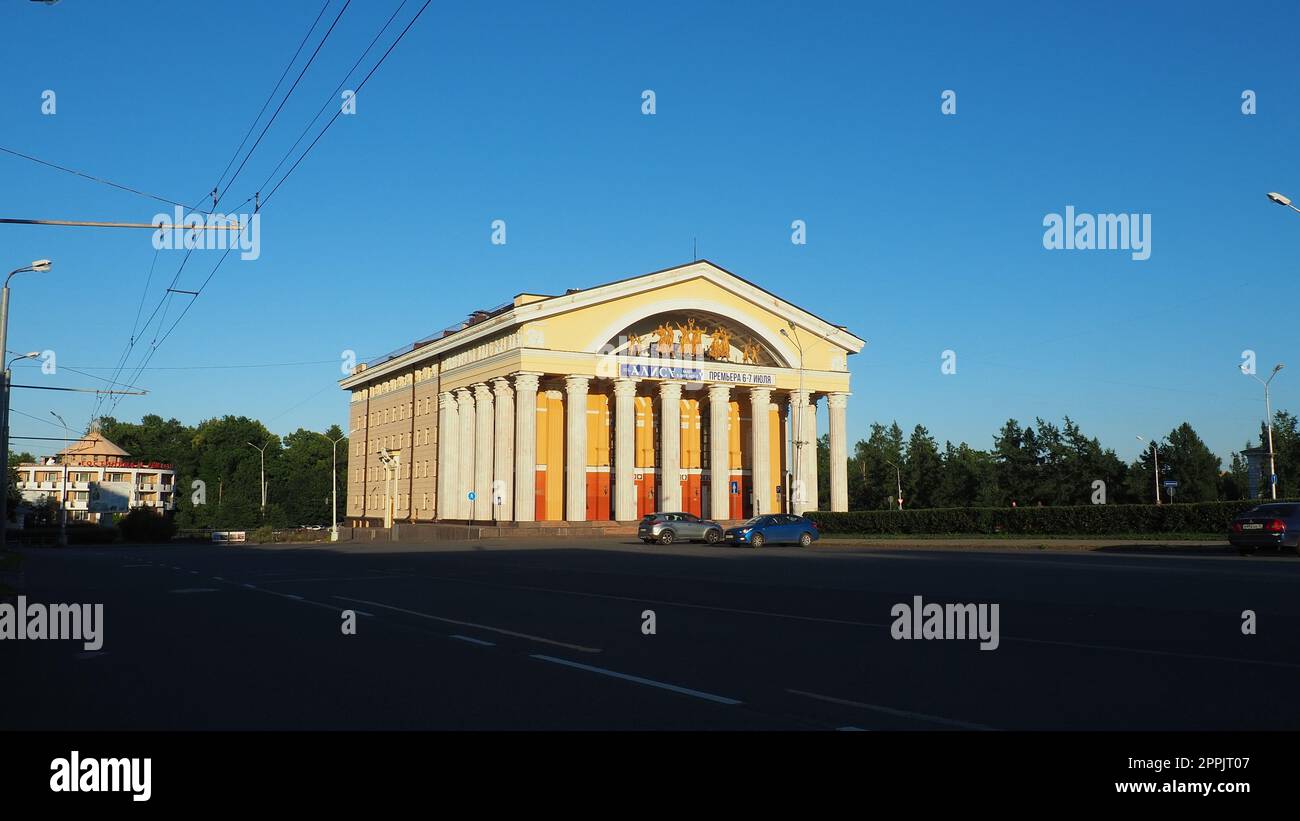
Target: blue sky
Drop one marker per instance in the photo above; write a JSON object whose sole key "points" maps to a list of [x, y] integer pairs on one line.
{"points": [[924, 231]]}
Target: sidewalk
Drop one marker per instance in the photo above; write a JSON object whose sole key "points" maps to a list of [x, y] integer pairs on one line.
{"points": [[1019, 543]]}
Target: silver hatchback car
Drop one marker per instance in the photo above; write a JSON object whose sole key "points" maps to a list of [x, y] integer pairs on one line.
{"points": [[666, 528]]}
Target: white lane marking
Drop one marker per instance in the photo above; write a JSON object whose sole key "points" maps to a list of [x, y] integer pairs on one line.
{"points": [[194, 572], [195, 590], [330, 579], [250, 587], [218, 579], [289, 596], [475, 641], [639, 680], [1192, 656], [1286, 665], [850, 729], [658, 601], [965, 725], [500, 630]]}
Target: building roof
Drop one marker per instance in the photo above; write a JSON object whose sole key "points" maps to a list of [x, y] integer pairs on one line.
{"points": [[536, 306], [92, 444]]}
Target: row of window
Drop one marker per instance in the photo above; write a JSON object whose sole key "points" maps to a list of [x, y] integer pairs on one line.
{"points": [[394, 441], [396, 413], [376, 502], [404, 472]]}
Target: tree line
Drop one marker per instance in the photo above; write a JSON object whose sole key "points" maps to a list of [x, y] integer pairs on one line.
{"points": [[217, 452], [1045, 464]]}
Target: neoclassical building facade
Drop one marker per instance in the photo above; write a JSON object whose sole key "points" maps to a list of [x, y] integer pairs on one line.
{"points": [[688, 389]]}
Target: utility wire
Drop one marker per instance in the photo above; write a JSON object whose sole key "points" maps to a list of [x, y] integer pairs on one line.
{"points": [[285, 99], [361, 85], [154, 345], [332, 97], [93, 178], [271, 96]]}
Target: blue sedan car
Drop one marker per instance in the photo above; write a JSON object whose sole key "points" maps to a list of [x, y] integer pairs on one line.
{"points": [[773, 528]]}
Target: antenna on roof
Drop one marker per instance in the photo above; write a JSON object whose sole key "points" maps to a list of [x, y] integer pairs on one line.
{"points": [[695, 253]]}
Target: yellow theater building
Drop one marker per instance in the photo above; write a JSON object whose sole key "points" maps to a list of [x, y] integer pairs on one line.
{"points": [[689, 389]]}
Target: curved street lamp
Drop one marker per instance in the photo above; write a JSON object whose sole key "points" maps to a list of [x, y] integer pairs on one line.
{"points": [[40, 266], [1282, 200], [1268, 421], [1155, 455]]}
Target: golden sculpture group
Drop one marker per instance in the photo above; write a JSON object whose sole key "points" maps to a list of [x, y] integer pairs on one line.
{"points": [[689, 339]]}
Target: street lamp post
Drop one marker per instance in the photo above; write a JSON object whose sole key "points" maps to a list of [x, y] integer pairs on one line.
{"points": [[334, 488], [39, 266], [392, 466], [898, 476], [1155, 455], [262, 451], [798, 443], [63, 494], [1268, 419]]}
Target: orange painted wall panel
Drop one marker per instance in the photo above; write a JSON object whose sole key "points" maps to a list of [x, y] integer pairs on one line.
{"points": [[554, 434]]}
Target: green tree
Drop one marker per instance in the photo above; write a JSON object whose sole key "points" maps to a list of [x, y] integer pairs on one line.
{"points": [[923, 470], [967, 478], [1193, 465]]}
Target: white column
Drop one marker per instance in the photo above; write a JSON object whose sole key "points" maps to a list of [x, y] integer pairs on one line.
{"points": [[575, 454], [624, 450], [810, 455], [465, 448], [836, 403], [670, 446], [503, 451], [719, 452], [483, 424], [448, 453], [760, 451], [525, 446]]}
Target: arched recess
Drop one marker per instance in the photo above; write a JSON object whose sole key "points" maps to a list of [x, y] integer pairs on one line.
{"points": [[778, 349]]}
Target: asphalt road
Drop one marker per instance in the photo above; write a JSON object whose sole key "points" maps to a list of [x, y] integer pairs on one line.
{"points": [[503, 635]]}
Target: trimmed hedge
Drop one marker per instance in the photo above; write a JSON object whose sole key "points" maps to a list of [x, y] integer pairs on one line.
{"points": [[1075, 520], [143, 525]]}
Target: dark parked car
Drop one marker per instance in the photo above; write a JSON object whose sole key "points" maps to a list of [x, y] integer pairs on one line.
{"points": [[775, 527], [1272, 525], [667, 528]]}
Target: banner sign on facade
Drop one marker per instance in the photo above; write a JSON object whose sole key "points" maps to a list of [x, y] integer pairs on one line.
{"points": [[109, 497], [695, 374]]}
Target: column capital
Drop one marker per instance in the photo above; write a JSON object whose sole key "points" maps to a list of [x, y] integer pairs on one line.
{"points": [[576, 384], [501, 387], [719, 392], [671, 389], [482, 391], [446, 400], [625, 386], [527, 380], [463, 395], [837, 400], [799, 398], [760, 396]]}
